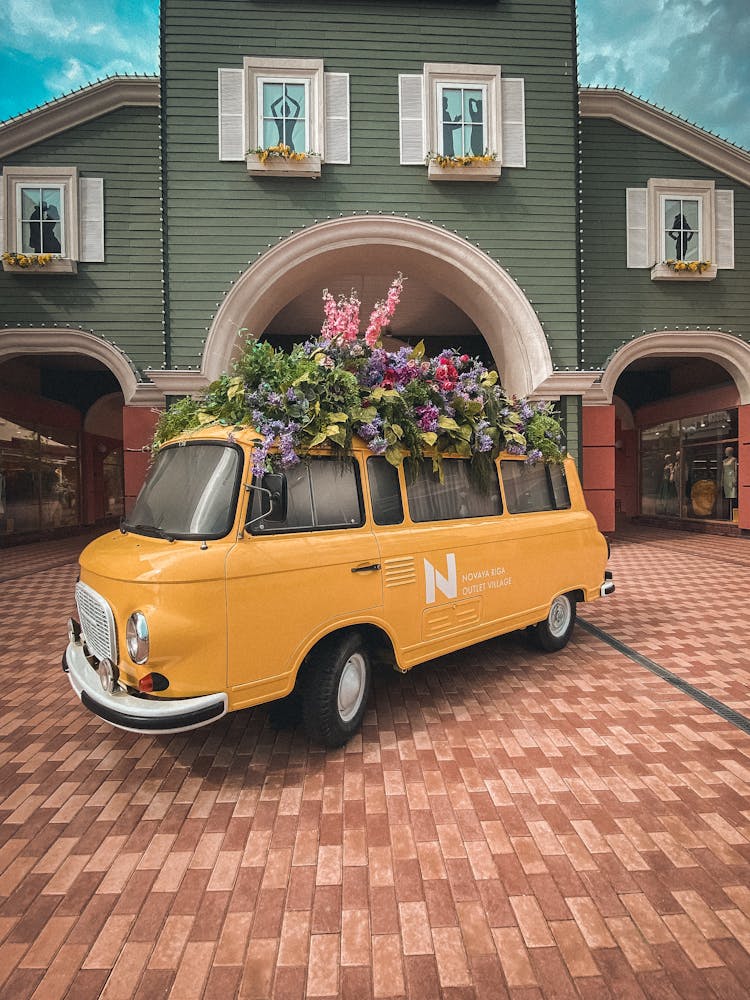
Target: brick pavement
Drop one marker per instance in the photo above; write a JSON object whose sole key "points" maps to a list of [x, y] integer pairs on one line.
{"points": [[508, 824]]}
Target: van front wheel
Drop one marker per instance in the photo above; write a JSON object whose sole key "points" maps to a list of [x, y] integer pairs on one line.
{"points": [[556, 629], [337, 685]]}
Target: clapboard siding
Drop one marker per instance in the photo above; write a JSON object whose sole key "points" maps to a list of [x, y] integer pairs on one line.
{"points": [[619, 303], [219, 217], [121, 298]]}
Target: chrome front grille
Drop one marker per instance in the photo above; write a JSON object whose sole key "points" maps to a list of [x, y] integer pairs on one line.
{"points": [[97, 623]]}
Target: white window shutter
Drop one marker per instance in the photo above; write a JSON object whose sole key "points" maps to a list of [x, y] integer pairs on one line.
{"points": [[636, 200], [232, 142], [91, 219], [411, 118], [337, 118], [724, 229], [513, 123], [3, 248]]}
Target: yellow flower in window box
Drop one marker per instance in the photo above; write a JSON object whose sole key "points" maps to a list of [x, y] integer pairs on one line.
{"points": [[25, 260], [692, 266], [461, 161], [280, 150]]}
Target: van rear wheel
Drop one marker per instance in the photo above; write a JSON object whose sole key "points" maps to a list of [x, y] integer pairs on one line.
{"points": [[556, 629], [337, 685]]}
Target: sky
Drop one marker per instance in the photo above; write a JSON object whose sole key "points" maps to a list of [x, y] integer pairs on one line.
{"points": [[688, 56]]}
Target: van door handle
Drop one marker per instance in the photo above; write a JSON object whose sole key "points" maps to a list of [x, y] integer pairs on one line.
{"points": [[365, 569]]}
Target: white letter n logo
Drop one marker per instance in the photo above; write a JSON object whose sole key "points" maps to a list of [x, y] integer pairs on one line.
{"points": [[435, 580]]}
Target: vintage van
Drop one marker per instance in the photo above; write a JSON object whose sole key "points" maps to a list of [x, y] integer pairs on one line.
{"points": [[221, 592]]}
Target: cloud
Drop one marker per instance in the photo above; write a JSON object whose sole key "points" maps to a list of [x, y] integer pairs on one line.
{"points": [[70, 43], [689, 56]]}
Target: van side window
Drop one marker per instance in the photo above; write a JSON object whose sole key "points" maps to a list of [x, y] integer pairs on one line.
{"points": [[321, 493], [457, 497], [385, 491], [534, 487]]}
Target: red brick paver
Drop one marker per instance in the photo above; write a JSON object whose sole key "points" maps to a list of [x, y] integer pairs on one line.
{"points": [[508, 824]]}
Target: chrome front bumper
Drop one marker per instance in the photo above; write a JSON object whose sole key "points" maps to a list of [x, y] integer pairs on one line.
{"points": [[152, 716]]}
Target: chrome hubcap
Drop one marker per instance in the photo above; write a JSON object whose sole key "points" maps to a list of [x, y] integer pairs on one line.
{"points": [[559, 616], [352, 687]]}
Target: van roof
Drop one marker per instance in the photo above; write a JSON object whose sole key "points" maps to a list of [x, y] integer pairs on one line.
{"points": [[246, 435]]}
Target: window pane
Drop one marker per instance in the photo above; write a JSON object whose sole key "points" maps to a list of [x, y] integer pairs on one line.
{"points": [[284, 114], [559, 486], [385, 492], [191, 490], [527, 487], [321, 493], [452, 131], [456, 497], [31, 199], [682, 228], [31, 237], [335, 493]]}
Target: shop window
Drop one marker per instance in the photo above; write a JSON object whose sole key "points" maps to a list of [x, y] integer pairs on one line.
{"points": [[456, 112], [458, 496], [38, 479], [681, 230], [283, 117], [689, 467], [50, 211]]}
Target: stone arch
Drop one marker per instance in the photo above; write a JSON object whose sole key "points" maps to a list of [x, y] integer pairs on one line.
{"points": [[724, 349], [464, 274], [23, 341]]}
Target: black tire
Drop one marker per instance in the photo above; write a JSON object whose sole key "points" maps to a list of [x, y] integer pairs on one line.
{"points": [[556, 629], [336, 686]]}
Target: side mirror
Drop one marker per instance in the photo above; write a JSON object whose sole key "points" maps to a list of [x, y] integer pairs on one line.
{"points": [[275, 485], [273, 499]]}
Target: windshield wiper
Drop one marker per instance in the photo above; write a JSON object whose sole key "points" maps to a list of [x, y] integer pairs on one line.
{"points": [[146, 529]]}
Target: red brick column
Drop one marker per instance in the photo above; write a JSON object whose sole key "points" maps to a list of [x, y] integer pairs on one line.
{"points": [[599, 463], [743, 498], [138, 423]]}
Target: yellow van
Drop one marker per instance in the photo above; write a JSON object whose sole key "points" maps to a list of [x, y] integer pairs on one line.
{"points": [[222, 591]]}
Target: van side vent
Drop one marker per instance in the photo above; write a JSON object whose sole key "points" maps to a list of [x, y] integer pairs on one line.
{"points": [[399, 572]]}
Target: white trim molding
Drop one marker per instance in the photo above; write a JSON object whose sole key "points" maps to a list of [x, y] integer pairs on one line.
{"points": [[19, 342], [723, 349], [74, 109], [178, 381], [573, 383], [478, 285], [623, 108]]}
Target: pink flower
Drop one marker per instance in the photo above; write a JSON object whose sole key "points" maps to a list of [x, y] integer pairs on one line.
{"points": [[383, 312]]}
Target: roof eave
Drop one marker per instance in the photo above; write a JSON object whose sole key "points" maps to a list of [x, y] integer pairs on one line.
{"points": [[630, 111], [75, 109]]}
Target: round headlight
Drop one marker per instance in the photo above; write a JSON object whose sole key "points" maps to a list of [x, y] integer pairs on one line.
{"points": [[136, 637]]}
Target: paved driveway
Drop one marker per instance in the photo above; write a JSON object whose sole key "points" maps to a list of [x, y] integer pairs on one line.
{"points": [[509, 823]]}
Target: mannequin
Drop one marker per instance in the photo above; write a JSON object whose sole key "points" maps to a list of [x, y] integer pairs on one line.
{"points": [[729, 478]]}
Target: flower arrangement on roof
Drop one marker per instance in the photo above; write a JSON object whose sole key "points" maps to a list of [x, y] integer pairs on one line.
{"points": [[689, 266], [280, 151], [27, 259], [461, 161], [404, 405]]}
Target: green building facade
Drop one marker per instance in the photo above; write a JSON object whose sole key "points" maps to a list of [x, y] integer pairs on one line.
{"points": [[296, 145]]}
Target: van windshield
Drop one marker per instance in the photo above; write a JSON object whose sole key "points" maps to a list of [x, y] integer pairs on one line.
{"points": [[191, 492]]}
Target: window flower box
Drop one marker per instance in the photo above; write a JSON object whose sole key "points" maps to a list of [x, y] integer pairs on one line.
{"points": [[38, 264], [281, 161], [463, 168], [683, 270]]}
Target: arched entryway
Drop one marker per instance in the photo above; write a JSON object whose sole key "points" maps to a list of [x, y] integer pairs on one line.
{"points": [[667, 432], [454, 291], [63, 431]]}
